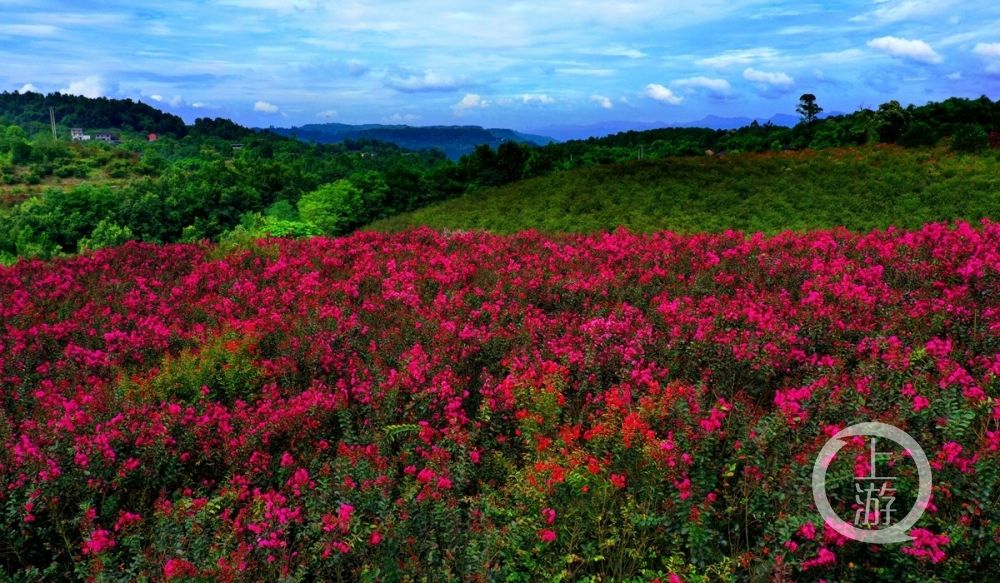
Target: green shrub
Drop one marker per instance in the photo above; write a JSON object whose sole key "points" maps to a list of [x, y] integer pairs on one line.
{"points": [[969, 138], [222, 369]]}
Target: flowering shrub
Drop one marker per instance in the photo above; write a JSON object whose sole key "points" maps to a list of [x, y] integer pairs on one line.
{"points": [[455, 407]]}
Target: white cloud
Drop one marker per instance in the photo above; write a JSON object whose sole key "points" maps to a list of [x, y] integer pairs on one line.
{"points": [[910, 50], [328, 114], [429, 81], [988, 50], [30, 30], [199, 105], [777, 79], [737, 57], [795, 30], [537, 99], [955, 76], [603, 101], [662, 94], [586, 71], [621, 51], [265, 107], [174, 101], [402, 118], [720, 86], [279, 5], [89, 87], [28, 88], [896, 10], [470, 101]]}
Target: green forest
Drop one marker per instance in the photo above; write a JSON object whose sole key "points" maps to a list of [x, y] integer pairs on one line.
{"points": [[217, 180]]}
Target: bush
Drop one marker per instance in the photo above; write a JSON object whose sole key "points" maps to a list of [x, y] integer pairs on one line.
{"points": [[466, 406], [106, 234], [969, 138], [334, 208], [918, 134]]}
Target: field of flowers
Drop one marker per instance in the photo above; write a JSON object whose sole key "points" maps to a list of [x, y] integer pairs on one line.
{"points": [[449, 407]]}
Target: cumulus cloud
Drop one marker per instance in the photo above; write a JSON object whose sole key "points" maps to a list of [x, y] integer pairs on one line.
{"points": [[910, 50], [777, 79], [660, 93], [199, 105], [603, 101], [718, 86], [265, 107], [429, 81], [537, 99], [328, 114], [470, 101], [28, 88], [89, 87]]}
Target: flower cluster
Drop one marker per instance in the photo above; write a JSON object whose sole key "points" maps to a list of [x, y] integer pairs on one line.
{"points": [[470, 406]]}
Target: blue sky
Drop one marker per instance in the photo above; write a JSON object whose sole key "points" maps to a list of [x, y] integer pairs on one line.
{"points": [[509, 64]]}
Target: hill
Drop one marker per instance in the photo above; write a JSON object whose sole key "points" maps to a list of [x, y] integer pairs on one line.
{"points": [[863, 188], [31, 111], [455, 141]]}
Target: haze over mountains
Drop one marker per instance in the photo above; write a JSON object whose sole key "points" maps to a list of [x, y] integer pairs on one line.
{"points": [[455, 141]]}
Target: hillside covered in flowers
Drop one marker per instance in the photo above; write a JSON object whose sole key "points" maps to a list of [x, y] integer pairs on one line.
{"points": [[450, 407]]}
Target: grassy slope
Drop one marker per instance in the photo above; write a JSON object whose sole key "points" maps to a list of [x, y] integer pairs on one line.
{"points": [[858, 188]]}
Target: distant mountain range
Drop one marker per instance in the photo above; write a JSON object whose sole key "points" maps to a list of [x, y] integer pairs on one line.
{"points": [[715, 122], [455, 141]]}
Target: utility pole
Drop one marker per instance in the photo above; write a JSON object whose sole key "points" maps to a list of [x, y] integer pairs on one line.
{"points": [[52, 120]]}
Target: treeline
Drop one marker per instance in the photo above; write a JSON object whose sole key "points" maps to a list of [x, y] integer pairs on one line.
{"points": [[961, 124], [216, 179], [31, 111]]}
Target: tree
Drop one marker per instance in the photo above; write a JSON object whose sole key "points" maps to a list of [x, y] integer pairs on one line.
{"points": [[106, 234], [334, 207], [892, 121], [808, 108], [969, 137], [918, 133]]}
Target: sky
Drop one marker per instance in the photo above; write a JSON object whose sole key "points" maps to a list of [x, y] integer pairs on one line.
{"points": [[522, 65]]}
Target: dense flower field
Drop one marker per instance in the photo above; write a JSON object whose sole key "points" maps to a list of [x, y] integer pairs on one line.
{"points": [[434, 407]]}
